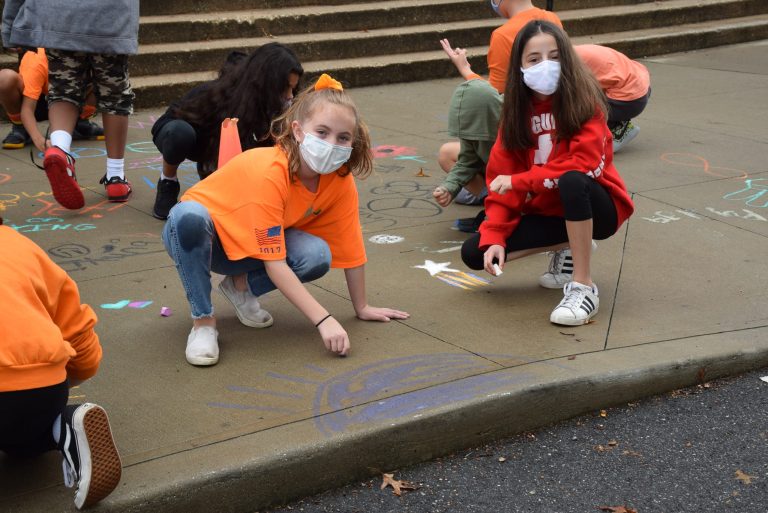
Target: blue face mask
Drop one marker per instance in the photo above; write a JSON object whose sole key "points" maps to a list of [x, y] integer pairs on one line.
{"points": [[495, 6]]}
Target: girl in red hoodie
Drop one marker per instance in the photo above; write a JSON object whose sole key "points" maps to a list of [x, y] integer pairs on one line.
{"points": [[550, 176]]}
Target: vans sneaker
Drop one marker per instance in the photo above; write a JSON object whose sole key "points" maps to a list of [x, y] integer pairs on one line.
{"points": [[578, 306], [247, 306], [203, 346], [17, 138], [59, 167], [560, 270], [624, 133], [166, 197], [118, 189], [91, 461]]}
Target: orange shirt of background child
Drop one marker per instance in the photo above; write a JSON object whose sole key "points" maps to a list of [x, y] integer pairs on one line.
{"points": [[620, 77], [502, 40], [33, 68]]}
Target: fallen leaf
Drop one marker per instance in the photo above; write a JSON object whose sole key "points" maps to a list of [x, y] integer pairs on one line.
{"points": [[568, 334], [603, 413], [627, 452], [421, 173], [744, 478], [502, 459], [613, 443], [617, 509], [397, 485]]}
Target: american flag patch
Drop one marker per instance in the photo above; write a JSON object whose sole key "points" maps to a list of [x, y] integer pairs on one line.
{"points": [[268, 236]]}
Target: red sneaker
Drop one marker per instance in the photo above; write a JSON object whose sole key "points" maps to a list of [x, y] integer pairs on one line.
{"points": [[59, 167], [118, 189]]}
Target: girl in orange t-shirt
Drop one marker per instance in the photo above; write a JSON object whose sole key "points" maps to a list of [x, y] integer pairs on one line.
{"points": [[276, 217]]}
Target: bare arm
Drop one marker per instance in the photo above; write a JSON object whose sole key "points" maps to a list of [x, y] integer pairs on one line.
{"points": [[333, 334], [458, 57], [356, 285]]}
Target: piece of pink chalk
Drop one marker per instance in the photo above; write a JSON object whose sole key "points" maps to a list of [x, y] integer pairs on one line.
{"points": [[165, 311]]}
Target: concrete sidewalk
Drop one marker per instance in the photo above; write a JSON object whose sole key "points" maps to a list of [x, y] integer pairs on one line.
{"points": [[682, 289]]}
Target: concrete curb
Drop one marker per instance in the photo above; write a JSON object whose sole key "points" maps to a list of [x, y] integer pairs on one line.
{"points": [[535, 395]]}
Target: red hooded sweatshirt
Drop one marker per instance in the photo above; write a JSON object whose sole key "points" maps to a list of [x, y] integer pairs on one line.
{"points": [[535, 172]]}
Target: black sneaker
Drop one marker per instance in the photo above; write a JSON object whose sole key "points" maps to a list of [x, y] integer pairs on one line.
{"points": [[91, 461], [166, 197], [470, 224], [17, 138], [85, 129]]}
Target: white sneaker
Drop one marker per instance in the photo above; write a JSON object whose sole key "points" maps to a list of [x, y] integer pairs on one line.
{"points": [[578, 306], [247, 306], [623, 134], [560, 270], [203, 346]]}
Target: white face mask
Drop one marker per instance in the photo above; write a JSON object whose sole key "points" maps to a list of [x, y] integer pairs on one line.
{"points": [[542, 77], [323, 157]]}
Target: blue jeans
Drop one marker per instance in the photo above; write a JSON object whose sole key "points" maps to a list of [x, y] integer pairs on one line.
{"points": [[190, 239]]}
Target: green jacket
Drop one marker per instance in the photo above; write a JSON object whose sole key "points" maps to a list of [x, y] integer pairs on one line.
{"points": [[474, 118]]}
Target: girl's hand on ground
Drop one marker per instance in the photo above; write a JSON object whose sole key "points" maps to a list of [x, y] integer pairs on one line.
{"points": [[442, 196], [372, 313], [501, 184], [494, 254], [334, 336]]}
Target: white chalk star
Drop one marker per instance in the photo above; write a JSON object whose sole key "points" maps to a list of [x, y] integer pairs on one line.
{"points": [[434, 268]]}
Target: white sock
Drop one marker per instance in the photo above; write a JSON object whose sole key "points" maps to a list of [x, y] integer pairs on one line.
{"points": [[172, 178], [115, 168], [62, 139], [57, 429]]}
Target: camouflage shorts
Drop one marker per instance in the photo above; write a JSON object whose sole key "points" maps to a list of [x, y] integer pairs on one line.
{"points": [[70, 72]]}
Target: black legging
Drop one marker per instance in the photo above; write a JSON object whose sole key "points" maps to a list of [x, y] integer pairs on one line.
{"points": [[582, 197], [27, 417], [177, 141], [621, 111]]}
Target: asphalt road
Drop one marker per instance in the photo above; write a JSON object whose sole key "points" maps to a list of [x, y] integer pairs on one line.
{"points": [[702, 449]]}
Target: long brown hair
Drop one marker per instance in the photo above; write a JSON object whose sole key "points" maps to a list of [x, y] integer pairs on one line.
{"points": [[360, 163], [250, 90], [577, 98]]}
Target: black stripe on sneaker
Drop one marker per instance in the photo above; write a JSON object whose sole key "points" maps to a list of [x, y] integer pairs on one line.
{"points": [[587, 305]]}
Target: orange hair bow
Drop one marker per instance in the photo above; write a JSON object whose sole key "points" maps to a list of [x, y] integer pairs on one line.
{"points": [[326, 82]]}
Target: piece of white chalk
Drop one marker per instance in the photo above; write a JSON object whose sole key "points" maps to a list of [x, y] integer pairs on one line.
{"points": [[497, 269]]}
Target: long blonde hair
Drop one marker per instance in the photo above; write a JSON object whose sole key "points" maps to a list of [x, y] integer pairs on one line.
{"points": [[360, 163]]}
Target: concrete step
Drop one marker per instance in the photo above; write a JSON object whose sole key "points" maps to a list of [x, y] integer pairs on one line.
{"points": [[207, 55], [305, 20], [367, 43], [211, 24], [426, 65], [153, 7]]}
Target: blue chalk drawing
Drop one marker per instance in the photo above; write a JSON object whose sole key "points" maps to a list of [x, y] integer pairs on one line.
{"points": [[353, 397]]}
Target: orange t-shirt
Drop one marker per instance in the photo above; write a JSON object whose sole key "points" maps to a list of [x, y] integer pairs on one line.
{"points": [[34, 70], [252, 200], [46, 334], [502, 40], [620, 77]]}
